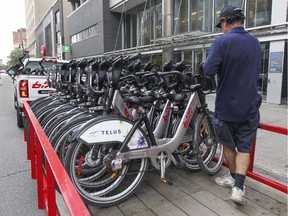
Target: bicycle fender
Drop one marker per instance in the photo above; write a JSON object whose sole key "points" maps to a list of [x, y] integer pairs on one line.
{"points": [[111, 130]]}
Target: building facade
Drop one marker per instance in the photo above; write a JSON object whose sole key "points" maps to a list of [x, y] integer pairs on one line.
{"points": [[178, 30], [161, 30], [93, 29], [19, 38], [50, 33], [34, 12]]}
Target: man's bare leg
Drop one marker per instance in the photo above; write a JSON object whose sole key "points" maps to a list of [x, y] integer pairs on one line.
{"points": [[242, 162], [230, 156]]}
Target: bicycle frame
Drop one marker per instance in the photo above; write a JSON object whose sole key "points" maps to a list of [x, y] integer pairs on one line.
{"points": [[159, 146]]}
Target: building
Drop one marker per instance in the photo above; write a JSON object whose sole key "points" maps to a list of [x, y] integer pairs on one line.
{"points": [[177, 30], [93, 29], [50, 31], [34, 12], [19, 37]]}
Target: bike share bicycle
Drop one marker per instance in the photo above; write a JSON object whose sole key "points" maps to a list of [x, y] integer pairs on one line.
{"points": [[119, 150]]}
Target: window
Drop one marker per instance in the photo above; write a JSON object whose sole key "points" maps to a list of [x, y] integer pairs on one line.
{"points": [[146, 29], [157, 24], [258, 13], [196, 14], [57, 17], [89, 32], [58, 37], [181, 16], [198, 55], [188, 57], [263, 76]]}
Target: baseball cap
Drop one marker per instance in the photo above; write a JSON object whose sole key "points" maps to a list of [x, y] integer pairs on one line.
{"points": [[228, 11]]}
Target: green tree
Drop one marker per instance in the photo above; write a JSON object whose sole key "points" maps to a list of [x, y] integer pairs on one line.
{"points": [[13, 58]]}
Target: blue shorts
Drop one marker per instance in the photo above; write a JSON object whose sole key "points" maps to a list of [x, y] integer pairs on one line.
{"points": [[237, 135]]}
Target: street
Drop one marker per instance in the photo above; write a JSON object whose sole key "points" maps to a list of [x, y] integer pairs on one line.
{"points": [[18, 191]]}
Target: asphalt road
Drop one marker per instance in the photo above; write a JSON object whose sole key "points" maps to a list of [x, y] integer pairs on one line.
{"points": [[18, 190]]}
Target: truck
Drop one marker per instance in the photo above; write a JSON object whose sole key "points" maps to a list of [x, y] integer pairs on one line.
{"points": [[30, 81]]}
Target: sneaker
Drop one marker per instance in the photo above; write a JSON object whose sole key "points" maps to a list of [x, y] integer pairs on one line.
{"points": [[237, 195], [225, 181]]}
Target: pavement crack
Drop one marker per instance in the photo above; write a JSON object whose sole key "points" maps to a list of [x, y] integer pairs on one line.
{"points": [[15, 173]]}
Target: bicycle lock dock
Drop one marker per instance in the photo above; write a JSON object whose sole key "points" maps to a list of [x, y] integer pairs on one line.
{"points": [[38, 144]]}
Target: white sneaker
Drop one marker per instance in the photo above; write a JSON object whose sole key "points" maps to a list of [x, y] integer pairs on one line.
{"points": [[237, 195], [225, 181]]}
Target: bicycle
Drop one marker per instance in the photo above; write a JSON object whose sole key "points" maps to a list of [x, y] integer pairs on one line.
{"points": [[120, 150]]}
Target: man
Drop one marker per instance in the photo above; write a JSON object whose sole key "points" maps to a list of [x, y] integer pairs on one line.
{"points": [[235, 58]]}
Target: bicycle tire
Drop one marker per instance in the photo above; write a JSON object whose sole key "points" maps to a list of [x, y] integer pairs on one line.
{"points": [[185, 157], [111, 187], [49, 118], [210, 155]]}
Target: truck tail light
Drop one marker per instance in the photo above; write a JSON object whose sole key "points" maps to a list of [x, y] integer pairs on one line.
{"points": [[23, 86]]}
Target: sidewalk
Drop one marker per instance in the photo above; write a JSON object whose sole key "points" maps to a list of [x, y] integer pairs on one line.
{"points": [[195, 194]]}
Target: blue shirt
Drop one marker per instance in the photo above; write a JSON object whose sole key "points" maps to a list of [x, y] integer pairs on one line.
{"points": [[235, 59]]}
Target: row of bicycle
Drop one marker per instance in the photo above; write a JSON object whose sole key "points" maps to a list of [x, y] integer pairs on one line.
{"points": [[109, 121]]}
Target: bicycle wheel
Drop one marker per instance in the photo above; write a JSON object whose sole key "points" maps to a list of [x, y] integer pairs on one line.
{"points": [[104, 186], [41, 102], [49, 118], [57, 123], [210, 153], [60, 140], [185, 155]]}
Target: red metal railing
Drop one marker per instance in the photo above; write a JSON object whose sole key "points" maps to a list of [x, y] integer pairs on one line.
{"points": [[258, 177], [37, 142]]}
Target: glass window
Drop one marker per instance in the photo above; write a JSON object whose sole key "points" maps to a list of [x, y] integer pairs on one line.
{"points": [[188, 57], [157, 62], [208, 7], [177, 56], [198, 55], [58, 37], [263, 76], [145, 27], [180, 16], [196, 21], [158, 21], [91, 31], [57, 17], [258, 13]]}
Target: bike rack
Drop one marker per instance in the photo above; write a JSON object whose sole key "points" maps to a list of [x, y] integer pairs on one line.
{"points": [[37, 144]]}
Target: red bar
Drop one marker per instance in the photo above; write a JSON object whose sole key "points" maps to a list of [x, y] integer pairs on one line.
{"points": [[267, 181], [33, 155], [51, 198], [274, 129], [40, 186]]}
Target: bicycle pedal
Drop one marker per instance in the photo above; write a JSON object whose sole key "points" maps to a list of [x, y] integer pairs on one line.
{"points": [[166, 181]]}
